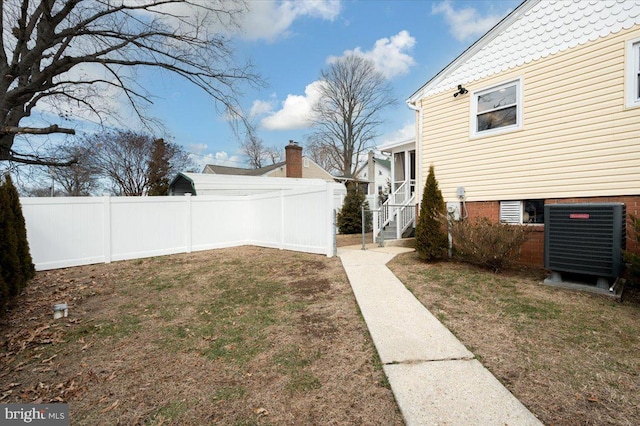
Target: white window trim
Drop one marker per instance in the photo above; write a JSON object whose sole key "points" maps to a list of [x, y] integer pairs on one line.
{"points": [[473, 125], [632, 67]]}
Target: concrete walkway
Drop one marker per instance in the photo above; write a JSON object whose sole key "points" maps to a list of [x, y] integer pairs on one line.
{"points": [[435, 379]]}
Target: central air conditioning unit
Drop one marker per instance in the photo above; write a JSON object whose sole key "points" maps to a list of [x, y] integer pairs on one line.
{"points": [[586, 239]]}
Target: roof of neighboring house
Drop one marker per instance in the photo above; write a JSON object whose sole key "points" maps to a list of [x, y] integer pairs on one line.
{"points": [[268, 170], [215, 184], [534, 30], [238, 171], [388, 146], [381, 161]]}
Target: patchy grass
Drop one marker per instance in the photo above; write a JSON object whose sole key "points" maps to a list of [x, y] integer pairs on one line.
{"points": [[343, 240], [572, 358], [239, 336]]}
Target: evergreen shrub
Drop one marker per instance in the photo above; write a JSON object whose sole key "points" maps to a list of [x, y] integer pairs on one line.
{"points": [[16, 266], [432, 241], [350, 215]]}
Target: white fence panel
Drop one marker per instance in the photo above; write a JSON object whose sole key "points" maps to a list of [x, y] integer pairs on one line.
{"points": [[266, 220], [305, 218], [76, 231], [64, 231], [147, 226], [218, 222]]}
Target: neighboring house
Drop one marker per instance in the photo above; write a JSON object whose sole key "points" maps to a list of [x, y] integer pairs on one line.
{"points": [[397, 214], [543, 109], [217, 180], [296, 165], [377, 173]]}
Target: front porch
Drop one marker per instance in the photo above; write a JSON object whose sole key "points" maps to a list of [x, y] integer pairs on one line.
{"points": [[396, 217]]}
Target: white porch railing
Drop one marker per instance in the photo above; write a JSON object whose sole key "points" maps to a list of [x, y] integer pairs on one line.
{"points": [[401, 206]]}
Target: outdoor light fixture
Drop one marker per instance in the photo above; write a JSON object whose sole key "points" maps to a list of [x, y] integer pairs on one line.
{"points": [[461, 91]]}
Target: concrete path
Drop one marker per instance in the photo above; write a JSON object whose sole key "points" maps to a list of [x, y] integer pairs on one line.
{"points": [[435, 379]]}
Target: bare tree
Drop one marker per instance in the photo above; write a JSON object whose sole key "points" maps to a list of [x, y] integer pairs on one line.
{"points": [[321, 155], [64, 55], [352, 97], [132, 163], [258, 154], [80, 178], [273, 155]]}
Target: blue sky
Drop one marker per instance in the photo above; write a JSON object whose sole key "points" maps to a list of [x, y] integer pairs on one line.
{"points": [[290, 42]]}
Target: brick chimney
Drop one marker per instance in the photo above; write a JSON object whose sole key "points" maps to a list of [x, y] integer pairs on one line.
{"points": [[293, 154]]}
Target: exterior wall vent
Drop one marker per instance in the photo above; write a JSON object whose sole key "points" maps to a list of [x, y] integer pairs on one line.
{"points": [[585, 238]]}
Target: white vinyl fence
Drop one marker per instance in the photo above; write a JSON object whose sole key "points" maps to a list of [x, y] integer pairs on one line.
{"points": [[72, 231]]}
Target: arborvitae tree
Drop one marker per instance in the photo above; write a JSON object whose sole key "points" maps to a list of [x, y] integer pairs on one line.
{"points": [[350, 216], [9, 260], [27, 268], [159, 168], [432, 242]]}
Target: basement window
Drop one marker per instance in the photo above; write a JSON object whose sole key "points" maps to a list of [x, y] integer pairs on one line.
{"points": [[522, 212], [632, 78], [497, 109]]}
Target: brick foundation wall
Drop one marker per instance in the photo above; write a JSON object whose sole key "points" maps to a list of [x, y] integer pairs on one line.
{"points": [[488, 209], [533, 249]]}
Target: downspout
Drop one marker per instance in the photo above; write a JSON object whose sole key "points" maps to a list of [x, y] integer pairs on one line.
{"points": [[418, 191]]}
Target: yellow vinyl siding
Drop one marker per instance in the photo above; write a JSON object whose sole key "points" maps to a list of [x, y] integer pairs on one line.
{"points": [[577, 139]]}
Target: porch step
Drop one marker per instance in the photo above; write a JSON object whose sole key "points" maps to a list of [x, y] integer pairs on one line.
{"points": [[389, 231]]}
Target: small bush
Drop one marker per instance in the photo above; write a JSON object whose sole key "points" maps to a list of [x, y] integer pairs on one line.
{"points": [[350, 216], [487, 244], [633, 259], [432, 242]]}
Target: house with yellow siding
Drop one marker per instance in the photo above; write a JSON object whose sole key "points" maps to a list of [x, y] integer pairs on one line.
{"points": [[543, 109]]}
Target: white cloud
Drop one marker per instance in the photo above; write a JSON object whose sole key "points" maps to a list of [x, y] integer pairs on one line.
{"points": [[261, 108], [388, 54], [198, 148], [220, 158], [270, 19], [389, 57], [296, 111], [406, 132], [466, 22]]}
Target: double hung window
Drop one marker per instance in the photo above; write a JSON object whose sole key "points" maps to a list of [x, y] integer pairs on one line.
{"points": [[497, 109], [632, 84]]}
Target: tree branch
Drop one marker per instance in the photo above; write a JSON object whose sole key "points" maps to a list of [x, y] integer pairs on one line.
{"points": [[54, 128]]}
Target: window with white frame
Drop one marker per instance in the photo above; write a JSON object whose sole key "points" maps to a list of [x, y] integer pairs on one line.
{"points": [[497, 109], [520, 212], [632, 84]]}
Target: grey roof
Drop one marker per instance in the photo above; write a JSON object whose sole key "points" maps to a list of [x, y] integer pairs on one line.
{"points": [[238, 171]]}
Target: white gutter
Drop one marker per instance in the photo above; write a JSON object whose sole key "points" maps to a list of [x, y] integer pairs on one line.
{"points": [[418, 190]]}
